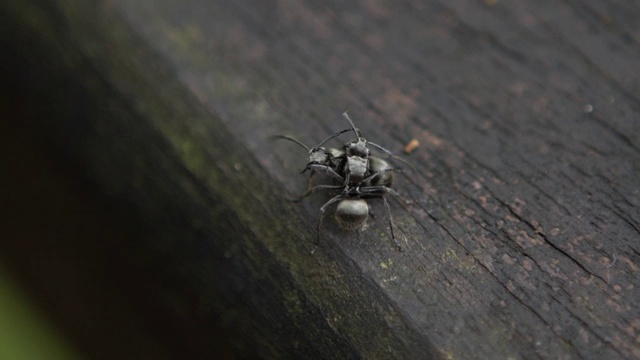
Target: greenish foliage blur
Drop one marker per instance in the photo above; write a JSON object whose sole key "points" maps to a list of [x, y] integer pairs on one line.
{"points": [[25, 333]]}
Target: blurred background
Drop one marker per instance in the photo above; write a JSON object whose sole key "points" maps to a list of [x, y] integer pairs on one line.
{"points": [[50, 304], [61, 295]]}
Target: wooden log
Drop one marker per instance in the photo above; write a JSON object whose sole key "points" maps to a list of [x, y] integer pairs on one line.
{"points": [[519, 226]]}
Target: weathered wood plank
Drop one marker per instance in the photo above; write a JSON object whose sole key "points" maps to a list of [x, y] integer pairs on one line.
{"points": [[521, 231]]}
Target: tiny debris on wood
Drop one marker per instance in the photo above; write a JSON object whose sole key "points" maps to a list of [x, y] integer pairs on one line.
{"points": [[412, 145]]}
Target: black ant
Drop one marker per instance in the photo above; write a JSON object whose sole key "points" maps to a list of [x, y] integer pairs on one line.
{"points": [[358, 176], [321, 159]]}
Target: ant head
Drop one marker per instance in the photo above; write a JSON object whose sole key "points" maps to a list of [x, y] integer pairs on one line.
{"points": [[351, 214], [318, 155], [359, 146]]}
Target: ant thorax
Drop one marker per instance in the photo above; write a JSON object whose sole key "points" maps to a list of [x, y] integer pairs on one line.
{"points": [[318, 156], [335, 157], [357, 169]]}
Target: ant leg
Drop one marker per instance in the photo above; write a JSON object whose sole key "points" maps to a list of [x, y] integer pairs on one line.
{"points": [[376, 190], [333, 199], [393, 236], [380, 173], [368, 178], [319, 223], [327, 170], [314, 189], [312, 175]]}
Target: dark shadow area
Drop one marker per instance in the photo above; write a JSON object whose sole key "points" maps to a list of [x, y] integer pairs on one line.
{"points": [[64, 242]]}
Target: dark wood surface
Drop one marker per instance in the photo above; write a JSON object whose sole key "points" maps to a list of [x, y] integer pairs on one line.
{"points": [[520, 227]]}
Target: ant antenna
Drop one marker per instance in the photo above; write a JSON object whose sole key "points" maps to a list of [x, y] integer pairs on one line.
{"points": [[332, 137], [285, 137], [357, 131], [394, 156]]}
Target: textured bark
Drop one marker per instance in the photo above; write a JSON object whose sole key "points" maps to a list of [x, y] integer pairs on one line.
{"points": [[520, 226]]}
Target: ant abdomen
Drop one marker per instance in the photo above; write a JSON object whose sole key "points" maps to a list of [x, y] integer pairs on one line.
{"points": [[377, 165], [352, 213]]}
